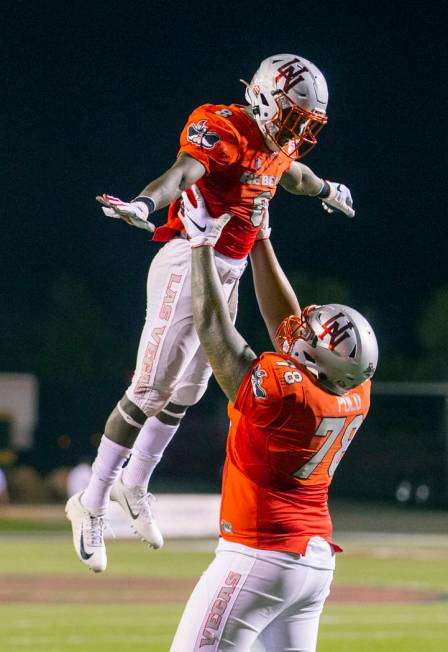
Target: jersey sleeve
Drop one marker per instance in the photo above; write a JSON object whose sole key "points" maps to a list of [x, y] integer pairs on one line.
{"points": [[209, 139], [260, 396]]}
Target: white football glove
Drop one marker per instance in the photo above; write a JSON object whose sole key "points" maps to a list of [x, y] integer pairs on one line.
{"points": [[265, 230], [134, 213], [202, 229], [339, 199]]}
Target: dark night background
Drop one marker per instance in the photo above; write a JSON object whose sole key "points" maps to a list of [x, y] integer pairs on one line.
{"points": [[94, 98]]}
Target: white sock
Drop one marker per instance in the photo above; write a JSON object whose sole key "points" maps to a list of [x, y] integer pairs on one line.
{"points": [[147, 452], [105, 469]]}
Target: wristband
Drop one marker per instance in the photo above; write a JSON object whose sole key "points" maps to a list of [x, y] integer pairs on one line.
{"points": [[325, 192], [149, 203]]}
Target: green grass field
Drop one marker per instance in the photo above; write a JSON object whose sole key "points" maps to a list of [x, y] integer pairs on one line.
{"points": [[102, 619]]}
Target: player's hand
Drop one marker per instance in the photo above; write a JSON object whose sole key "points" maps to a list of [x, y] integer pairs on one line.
{"points": [[202, 229], [265, 230], [339, 199], [134, 213]]}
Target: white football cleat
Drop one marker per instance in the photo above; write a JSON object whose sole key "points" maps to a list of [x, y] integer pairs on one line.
{"points": [[88, 534], [136, 504]]}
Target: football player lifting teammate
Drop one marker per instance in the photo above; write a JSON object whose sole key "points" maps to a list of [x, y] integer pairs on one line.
{"points": [[293, 414], [237, 155]]}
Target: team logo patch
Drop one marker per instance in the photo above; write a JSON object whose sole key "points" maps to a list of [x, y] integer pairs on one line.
{"points": [[199, 134], [226, 526], [257, 381]]}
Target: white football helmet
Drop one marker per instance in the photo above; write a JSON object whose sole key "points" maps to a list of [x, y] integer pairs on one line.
{"points": [[334, 342], [289, 98]]}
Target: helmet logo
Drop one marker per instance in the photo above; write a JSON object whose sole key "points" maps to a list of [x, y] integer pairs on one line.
{"points": [[334, 331], [291, 71], [199, 134]]}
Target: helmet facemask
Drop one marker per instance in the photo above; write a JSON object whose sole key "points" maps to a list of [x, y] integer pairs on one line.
{"points": [[294, 129], [293, 328]]}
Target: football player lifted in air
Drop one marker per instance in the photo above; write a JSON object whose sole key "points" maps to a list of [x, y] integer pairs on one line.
{"points": [[237, 155], [292, 414]]}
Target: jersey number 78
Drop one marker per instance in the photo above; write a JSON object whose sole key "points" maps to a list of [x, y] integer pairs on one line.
{"points": [[330, 428]]}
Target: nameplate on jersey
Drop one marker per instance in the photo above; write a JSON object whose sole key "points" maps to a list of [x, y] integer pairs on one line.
{"points": [[351, 403], [254, 179]]}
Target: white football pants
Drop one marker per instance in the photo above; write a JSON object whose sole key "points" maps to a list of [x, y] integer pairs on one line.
{"points": [[253, 600], [171, 365]]}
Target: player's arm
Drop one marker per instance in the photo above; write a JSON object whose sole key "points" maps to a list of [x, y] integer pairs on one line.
{"points": [[299, 179], [276, 298], [228, 352], [171, 184], [157, 194]]}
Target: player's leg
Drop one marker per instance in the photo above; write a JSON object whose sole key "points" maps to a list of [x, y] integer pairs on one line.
{"points": [[88, 518], [130, 489], [208, 607], [278, 603], [153, 438], [159, 372], [158, 430], [166, 280], [242, 593], [296, 628]]}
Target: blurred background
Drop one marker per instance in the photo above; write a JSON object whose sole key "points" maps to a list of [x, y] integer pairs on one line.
{"points": [[94, 97]]}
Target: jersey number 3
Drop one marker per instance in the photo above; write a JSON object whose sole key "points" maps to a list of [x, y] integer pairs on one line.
{"points": [[331, 428]]}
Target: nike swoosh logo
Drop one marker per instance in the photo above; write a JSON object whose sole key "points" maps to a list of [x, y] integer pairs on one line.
{"points": [[134, 516], [201, 228], [85, 555]]}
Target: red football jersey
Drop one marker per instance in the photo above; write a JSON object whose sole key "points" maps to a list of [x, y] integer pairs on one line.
{"points": [[286, 438], [242, 174]]}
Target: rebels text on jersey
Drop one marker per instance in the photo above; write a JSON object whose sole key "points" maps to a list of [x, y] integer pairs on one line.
{"points": [[286, 438], [241, 174]]}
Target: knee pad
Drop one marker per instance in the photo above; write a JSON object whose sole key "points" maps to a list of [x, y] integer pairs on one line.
{"points": [[188, 395]]}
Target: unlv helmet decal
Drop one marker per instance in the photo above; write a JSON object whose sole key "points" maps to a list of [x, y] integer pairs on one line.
{"points": [[291, 73], [335, 332]]}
